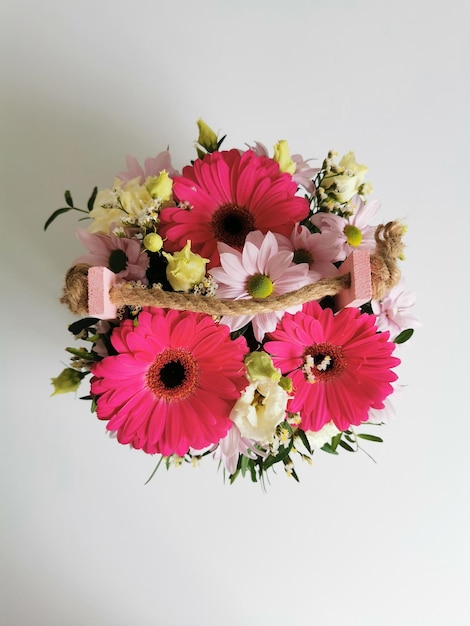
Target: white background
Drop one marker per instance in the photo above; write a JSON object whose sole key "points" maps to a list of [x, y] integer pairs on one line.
{"points": [[84, 542]]}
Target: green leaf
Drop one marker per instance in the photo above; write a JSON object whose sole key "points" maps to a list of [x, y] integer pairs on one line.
{"points": [[92, 198], [370, 437], [335, 441], [303, 438], [294, 475], [253, 471], [346, 446], [68, 199], [404, 335], [219, 143], [83, 354], [328, 448], [271, 460], [244, 464], [56, 214]]}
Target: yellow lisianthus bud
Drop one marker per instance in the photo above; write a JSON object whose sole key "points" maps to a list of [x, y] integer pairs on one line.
{"points": [[185, 269], [207, 138], [153, 242], [160, 186], [68, 380], [283, 157], [259, 366]]}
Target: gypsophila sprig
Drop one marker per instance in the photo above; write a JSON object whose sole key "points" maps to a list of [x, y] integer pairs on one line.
{"points": [[221, 311]]}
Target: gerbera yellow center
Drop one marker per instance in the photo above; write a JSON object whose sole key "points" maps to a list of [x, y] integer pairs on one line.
{"points": [[231, 224], [353, 235], [259, 286], [323, 362], [302, 256], [173, 375]]}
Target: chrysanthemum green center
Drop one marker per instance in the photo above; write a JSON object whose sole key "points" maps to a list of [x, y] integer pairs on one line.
{"points": [[353, 235], [117, 261], [231, 224], [323, 362], [302, 256], [173, 375], [259, 286]]}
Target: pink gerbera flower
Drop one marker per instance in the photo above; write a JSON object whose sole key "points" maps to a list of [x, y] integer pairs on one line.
{"points": [[152, 167], [259, 271], [173, 384], [226, 196], [340, 365], [121, 255]]}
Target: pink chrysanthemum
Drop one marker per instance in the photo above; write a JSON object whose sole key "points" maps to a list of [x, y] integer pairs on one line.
{"points": [[173, 384], [260, 270], [316, 249], [351, 233], [339, 365], [394, 310], [231, 446], [152, 167], [121, 255], [228, 195]]}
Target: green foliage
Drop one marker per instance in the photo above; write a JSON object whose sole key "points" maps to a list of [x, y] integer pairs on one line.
{"points": [[404, 335], [71, 207]]}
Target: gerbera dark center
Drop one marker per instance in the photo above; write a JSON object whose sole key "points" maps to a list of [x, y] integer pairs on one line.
{"points": [[302, 256], [231, 224], [323, 362], [173, 375], [117, 261]]}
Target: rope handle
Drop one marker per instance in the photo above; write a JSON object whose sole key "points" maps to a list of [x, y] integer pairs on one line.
{"points": [[85, 286]]}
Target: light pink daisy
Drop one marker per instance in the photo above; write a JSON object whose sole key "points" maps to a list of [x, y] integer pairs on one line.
{"points": [[231, 446], [227, 195], [350, 233], [173, 383], [260, 270], [121, 255], [394, 310], [153, 167], [316, 249], [339, 364]]}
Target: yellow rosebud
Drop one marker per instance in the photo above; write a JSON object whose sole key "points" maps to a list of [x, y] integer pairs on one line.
{"points": [[135, 198], [68, 380], [207, 138], [160, 186], [345, 181], [185, 269], [283, 157], [153, 242]]}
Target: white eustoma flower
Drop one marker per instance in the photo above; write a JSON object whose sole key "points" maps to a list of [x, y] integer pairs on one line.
{"points": [[260, 408]]}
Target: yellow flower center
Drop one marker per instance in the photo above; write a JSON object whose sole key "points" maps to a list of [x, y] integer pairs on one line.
{"points": [[353, 235], [259, 286]]}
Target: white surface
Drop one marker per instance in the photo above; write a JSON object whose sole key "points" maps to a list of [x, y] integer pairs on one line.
{"points": [[83, 541]]}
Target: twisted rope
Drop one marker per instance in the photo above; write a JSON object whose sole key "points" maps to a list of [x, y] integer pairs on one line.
{"points": [[384, 275]]}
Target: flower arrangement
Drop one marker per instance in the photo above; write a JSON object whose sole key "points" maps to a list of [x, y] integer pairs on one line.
{"points": [[227, 332]]}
